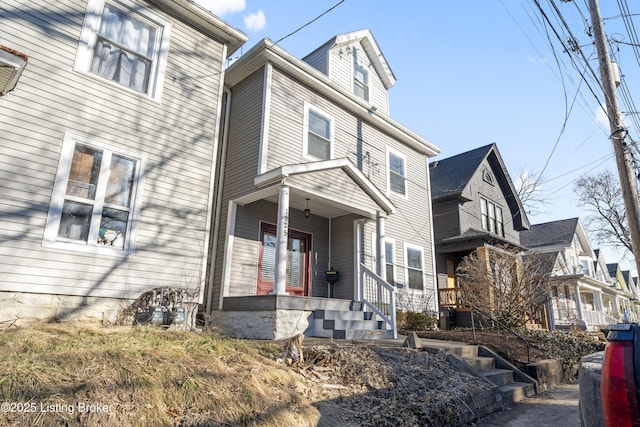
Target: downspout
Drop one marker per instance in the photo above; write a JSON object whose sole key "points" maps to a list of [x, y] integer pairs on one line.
{"points": [[436, 291], [329, 267], [220, 173]]}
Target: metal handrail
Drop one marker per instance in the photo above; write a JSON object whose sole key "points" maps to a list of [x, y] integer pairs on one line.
{"points": [[473, 327]]}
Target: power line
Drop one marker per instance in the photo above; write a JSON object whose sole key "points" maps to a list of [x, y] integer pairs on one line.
{"points": [[311, 22]]}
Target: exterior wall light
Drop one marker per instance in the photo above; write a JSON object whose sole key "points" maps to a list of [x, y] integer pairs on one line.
{"points": [[307, 211]]}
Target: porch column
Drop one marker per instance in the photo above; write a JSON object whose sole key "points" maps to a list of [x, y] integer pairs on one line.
{"points": [[381, 262], [579, 303], [282, 238]]}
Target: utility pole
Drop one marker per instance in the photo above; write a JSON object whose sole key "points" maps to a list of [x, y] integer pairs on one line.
{"points": [[618, 133]]}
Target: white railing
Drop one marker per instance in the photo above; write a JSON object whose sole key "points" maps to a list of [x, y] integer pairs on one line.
{"points": [[594, 319], [378, 296]]}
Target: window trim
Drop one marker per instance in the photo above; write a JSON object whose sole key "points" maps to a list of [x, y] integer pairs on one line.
{"points": [[50, 238], [392, 242], [357, 83], [407, 247], [90, 27], [401, 155], [305, 133], [491, 217]]}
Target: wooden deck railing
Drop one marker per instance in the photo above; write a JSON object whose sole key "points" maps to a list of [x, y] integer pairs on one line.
{"points": [[450, 297]]}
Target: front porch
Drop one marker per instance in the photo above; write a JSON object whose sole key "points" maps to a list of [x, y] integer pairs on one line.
{"points": [[278, 317]]}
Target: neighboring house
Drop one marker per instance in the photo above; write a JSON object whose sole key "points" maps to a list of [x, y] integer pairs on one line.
{"points": [[626, 293], [107, 153], [325, 200], [475, 206], [584, 295]]}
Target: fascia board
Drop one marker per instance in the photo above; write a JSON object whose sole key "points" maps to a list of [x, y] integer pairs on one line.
{"points": [[266, 51]]}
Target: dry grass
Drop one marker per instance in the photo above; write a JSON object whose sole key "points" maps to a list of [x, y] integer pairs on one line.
{"points": [[145, 377], [150, 377]]}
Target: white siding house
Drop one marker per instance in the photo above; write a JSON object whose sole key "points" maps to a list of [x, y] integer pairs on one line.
{"points": [[107, 153]]}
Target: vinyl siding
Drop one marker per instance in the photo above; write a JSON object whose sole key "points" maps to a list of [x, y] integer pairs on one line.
{"points": [[341, 72], [446, 219], [342, 255], [244, 276], [241, 163], [319, 60], [365, 146], [243, 148], [470, 216], [175, 135]]}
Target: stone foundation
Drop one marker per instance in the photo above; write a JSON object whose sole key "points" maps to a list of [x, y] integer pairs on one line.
{"points": [[265, 325], [26, 307]]}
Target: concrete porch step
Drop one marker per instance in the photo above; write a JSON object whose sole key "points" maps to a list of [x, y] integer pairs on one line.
{"points": [[352, 324], [348, 324], [342, 315]]}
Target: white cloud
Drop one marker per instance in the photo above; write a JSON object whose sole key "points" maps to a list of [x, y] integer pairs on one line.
{"points": [[255, 21], [220, 7]]}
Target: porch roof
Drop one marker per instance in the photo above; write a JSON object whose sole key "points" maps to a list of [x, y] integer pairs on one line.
{"points": [[334, 188]]}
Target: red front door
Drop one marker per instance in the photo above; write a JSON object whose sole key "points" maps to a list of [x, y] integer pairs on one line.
{"points": [[298, 255]]}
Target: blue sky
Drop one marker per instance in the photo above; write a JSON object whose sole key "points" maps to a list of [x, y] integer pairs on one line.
{"points": [[471, 73]]}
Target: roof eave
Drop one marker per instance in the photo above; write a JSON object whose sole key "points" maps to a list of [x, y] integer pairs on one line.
{"points": [[206, 22], [266, 51]]}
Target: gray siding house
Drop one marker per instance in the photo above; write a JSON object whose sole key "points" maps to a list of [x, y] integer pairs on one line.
{"points": [[107, 153], [475, 205], [324, 213]]}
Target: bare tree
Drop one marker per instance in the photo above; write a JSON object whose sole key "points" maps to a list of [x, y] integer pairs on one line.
{"points": [[601, 195], [509, 285], [528, 188]]}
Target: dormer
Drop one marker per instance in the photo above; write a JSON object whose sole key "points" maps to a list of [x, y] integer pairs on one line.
{"points": [[355, 62]]}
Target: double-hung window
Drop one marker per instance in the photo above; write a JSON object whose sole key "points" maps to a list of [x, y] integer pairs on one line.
{"points": [[414, 267], [491, 217], [360, 81], [318, 134], [396, 172], [124, 43], [95, 200], [389, 257]]}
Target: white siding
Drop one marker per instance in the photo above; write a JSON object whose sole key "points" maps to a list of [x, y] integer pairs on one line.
{"points": [[176, 135]]}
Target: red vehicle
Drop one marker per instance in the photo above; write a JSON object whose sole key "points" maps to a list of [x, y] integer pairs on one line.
{"points": [[620, 376]]}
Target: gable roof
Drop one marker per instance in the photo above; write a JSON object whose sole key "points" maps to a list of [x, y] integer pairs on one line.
{"points": [[370, 47], [267, 52], [550, 233], [547, 260], [451, 176]]}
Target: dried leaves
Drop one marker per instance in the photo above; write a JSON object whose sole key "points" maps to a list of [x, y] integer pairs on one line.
{"points": [[389, 386]]}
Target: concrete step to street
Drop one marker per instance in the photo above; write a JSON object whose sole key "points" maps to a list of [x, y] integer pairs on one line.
{"points": [[516, 391], [480, 363], [498, 376]]}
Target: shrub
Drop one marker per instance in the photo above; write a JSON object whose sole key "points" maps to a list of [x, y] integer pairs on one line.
{"points": [[412, 321]]}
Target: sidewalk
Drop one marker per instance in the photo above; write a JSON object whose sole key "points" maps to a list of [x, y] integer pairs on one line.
{"points": [[556, 407]]}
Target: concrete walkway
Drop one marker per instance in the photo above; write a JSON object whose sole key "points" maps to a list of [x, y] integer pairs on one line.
{"points": [[556, 407]]}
